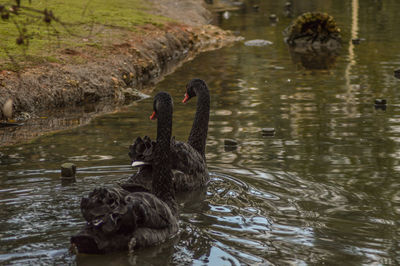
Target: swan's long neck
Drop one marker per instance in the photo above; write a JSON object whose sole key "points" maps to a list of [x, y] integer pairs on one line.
{"points": [[198, 134], [163, 186]]}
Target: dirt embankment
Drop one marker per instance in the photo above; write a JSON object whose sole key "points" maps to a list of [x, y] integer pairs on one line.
{"points": [[115, 72]]}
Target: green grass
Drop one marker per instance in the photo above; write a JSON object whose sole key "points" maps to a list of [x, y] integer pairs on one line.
{"points": [[88, 23]]}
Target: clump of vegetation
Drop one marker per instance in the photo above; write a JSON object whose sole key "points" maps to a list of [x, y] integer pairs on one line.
{"points": [[33, 30], [313, 26]]}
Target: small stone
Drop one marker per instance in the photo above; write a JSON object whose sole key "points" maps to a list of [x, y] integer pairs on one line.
{"points": [[68, 171], [397, 73], [268, 131], [256, 7]]}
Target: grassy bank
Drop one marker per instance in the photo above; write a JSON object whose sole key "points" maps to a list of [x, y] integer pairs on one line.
{"points": [[76, 24]]}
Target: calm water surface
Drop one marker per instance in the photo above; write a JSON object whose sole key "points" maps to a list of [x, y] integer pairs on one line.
{"points": [[324, 189]]}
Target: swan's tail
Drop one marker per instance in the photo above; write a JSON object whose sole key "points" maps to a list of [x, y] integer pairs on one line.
{"points": [[141, 152]]}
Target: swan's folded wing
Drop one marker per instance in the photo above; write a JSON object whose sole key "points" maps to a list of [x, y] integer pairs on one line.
{"points": [[151, 212], [186, 159], [156, 221]]}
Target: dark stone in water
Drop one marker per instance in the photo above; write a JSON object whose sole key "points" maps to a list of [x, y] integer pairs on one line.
{"points": [[256, 7], [397, 73], [230, 145], [68, 171], [230, 142], [380, 107], [380, 102], [268, 131], [230, 148]]}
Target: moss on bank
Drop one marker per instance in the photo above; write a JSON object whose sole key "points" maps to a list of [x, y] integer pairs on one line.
{"points": [[83, 23]]}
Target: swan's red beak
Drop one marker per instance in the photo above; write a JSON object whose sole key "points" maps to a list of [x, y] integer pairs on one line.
{"points": [[186, 98], [153, 116]]}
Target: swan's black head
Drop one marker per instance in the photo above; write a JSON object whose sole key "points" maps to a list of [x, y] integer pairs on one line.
{"points": [[193, 86], [162, 104]]}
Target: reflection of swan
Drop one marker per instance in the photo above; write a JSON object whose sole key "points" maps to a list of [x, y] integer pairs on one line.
{"points": [[188, 159], [118, 219]]}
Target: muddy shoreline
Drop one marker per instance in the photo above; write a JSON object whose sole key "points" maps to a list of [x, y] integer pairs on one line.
{"points": [[59, 96]]}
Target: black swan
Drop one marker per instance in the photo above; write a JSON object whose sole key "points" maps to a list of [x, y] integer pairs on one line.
{"points": [[198, 133], [188, 159], [118, 219]]}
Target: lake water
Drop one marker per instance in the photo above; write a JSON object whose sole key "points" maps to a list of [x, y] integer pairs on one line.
{"points": [[324, 189]]}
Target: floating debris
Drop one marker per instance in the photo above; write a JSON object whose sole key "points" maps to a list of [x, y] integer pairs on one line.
{"points": [[397, 73], [257, 42], [68, 172], [268, 131]]}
